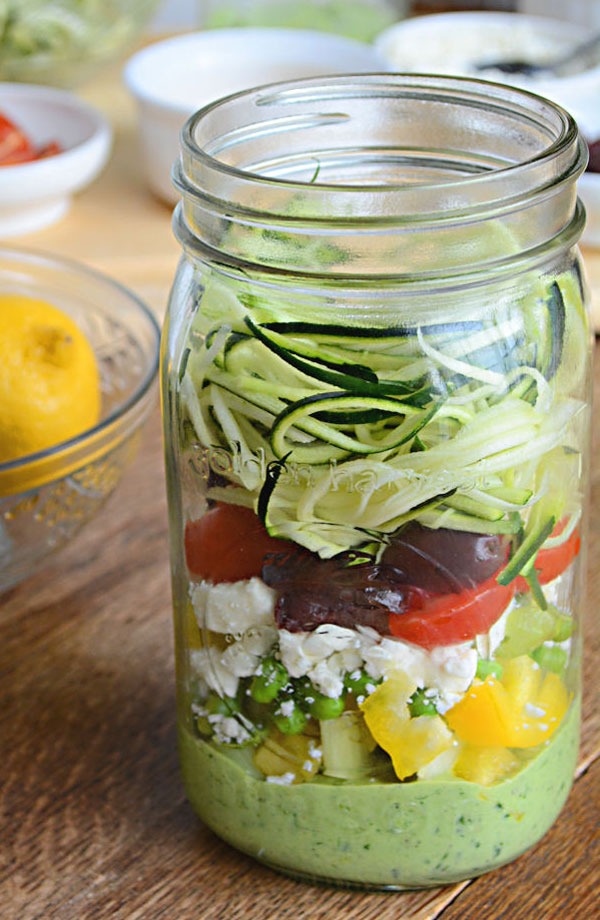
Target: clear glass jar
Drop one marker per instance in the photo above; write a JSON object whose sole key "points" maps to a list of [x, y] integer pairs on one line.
{"points": [[376, 382]]}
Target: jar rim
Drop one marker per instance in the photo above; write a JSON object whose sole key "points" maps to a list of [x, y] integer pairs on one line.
{"points": [[232, 166], [337, 87]]}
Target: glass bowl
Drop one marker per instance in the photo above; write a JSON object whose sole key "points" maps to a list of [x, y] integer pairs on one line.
{"points": [[47, 497], [64, 42]]}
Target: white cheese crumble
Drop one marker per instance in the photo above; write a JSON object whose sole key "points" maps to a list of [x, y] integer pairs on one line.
{"points": [[233, 607], [221, 669], [324, 655], [227, 729], [287, 708], [286, 779]]}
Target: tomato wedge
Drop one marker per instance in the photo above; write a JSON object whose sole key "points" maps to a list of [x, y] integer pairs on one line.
{"points": [[448, 619], [15, 146], [229, 543], [552, 562]]}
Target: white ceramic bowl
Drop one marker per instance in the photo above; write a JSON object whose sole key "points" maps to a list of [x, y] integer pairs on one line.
{"points": [[454, 43], [38, 193], [172, 79]]}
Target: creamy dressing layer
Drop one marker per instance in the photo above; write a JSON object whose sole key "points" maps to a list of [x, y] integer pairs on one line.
{"points": [[396, 835]]}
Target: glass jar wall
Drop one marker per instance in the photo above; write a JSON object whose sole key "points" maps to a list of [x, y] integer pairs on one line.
{"points": [[376, 393]]}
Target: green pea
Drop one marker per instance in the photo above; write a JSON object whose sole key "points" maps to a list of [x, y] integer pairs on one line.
{"points": [[360, 683], [551, 658], [325, 707], [272, 678], [216, 705], [488, 668], [420, 704], [290, 721]]}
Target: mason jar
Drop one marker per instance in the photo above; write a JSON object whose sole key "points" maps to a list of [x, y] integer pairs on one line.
{"points": [[376, 394]]}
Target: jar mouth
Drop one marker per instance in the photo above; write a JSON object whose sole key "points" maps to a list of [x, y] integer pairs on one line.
{"points": [[362, 158]]}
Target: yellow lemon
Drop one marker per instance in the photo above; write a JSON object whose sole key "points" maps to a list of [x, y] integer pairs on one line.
{"points": [[49, 381]]}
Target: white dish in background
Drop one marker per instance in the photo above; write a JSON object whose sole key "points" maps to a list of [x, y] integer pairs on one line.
{"points": [[35, 194], [172, 79], [456, 42]]}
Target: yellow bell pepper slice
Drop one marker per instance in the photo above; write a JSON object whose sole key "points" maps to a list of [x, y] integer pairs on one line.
{"points": [[411, 742], [484, 716], [541, 717], [522, 710], [485, 765]]}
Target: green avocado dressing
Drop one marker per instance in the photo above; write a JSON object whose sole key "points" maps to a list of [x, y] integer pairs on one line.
{"points": [[385, 835]]}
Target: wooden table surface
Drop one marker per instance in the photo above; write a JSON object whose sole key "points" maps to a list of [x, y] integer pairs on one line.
{"points": [[94, 822]]}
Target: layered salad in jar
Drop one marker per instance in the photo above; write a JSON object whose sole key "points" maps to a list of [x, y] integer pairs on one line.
{"points": [[381, 540]]}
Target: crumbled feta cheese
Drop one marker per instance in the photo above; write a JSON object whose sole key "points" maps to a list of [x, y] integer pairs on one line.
{"points": [[286, 708], [228, 729], [323, 655], [452, 668], [221, 669], [286, 779], [388, 655], [233, 607], [243, 656], [206, 663], [315, 753]]}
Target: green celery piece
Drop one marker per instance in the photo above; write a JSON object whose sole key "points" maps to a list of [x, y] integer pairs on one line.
{"points": [[551, 658], [527, 627], [349, 751]]}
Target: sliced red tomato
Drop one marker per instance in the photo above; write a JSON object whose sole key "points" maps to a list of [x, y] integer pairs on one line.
{"points": [[229, 543], [553, 561], [48, 150], [447, 619], [15, 146]]}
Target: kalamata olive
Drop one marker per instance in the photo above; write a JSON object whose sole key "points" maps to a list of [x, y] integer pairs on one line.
{"points": [[417, 563], [444, 561]]}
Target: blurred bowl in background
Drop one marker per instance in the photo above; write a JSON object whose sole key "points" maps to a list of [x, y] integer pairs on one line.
{"points": [[47, 497], [37, 193], [65, 42], [361, 19], [458, 42], [172, 79]]}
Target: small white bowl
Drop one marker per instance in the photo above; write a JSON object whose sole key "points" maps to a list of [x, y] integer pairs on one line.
{"points": [[35, 194], [172, 79], [454, 43]]}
